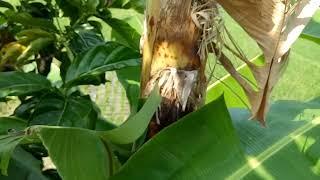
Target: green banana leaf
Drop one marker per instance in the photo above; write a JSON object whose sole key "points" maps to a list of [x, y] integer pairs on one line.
{"points": [[205, 145]]}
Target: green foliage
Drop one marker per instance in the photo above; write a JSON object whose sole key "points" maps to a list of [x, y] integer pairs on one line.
{"points": [[8, 144], [180, 154], [24, 165], [11, 123], [19, 83], [27, 20], [56, 119], [124, 33], [73, 111], [88, 66], [215, 149], [134, 128], [86, 36], [80, 154]]}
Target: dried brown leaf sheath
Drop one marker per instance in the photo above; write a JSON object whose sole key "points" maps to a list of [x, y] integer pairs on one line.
{"points": [[275, 25]]}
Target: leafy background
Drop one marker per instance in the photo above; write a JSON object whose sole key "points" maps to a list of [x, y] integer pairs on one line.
{"points": [[290, 143]]}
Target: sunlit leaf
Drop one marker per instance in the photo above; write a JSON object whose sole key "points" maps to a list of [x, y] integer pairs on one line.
{"points": [[204, 145]]}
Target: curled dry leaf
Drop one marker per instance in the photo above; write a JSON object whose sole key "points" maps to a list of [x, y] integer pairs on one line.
{"points": [[274, 25]]}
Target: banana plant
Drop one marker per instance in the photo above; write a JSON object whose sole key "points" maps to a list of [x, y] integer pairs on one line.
{"points": [[179, 128]]}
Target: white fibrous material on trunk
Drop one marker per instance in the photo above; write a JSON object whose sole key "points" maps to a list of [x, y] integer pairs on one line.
{"points": [[174, 84]]}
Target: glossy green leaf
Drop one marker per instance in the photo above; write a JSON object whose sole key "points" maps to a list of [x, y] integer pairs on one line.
{"points": [[84, 38], [59, 111], [202, 145], [124, 33], [18, 83], [135, 126], [11, 123], [26, 107], [130, 16], [290, 143], [88, 67], [78, 154]]}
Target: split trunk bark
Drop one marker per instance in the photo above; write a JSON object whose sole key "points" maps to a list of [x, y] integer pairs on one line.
{"points": [[171, 61]]}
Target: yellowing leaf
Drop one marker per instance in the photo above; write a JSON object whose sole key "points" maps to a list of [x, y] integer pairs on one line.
{"points": [[10, 52]]}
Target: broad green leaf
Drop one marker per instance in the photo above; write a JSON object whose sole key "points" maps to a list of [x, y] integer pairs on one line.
{"points": [[59, 111], [18, 83], [11, 123], [88, 67], [7, 145], [29, 21], [124, 33], [26, 107], [202, 145], [133, 18], [290, 143], [78, 154], [135, 126], [233, 93], [84, 38], [24, 166]]}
